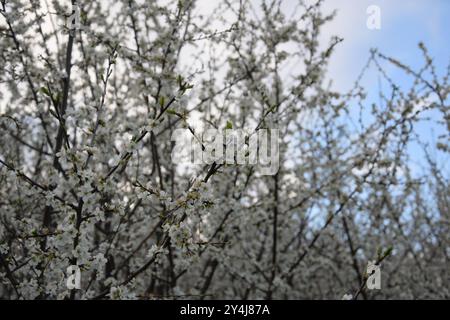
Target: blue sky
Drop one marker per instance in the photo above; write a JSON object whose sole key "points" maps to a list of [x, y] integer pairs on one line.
{"points": [[404, 23]]}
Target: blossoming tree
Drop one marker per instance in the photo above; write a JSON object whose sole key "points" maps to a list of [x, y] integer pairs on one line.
{"points": [[91, 92]]}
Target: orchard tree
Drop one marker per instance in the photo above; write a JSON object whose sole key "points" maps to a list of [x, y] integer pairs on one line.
{"points": [[91, 93]]}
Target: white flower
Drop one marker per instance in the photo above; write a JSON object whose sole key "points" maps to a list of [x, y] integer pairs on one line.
{"points": [[3, 248], [153, 251]]}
